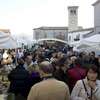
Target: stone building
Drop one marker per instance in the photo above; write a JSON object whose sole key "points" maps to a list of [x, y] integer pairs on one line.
{"points": [[51, 32], [97, 16]]}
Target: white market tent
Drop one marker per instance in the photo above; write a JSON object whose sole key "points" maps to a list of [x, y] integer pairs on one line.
{"points": [[7, 42], [93, 39], [89, 44], [81, 47]]}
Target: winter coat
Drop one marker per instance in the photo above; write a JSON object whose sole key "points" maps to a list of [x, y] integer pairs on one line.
{"points": [[76, 73], [49, 89], [61, 75], [19, 78]]}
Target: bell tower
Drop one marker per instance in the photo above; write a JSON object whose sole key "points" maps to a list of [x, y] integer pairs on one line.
{"points": [[72, 18]]}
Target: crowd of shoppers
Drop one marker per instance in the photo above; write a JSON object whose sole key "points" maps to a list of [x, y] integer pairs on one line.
{"points": [[53, 73]]}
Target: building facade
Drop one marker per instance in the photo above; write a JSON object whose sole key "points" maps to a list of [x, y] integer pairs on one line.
{"points": [[59, 32], [51, 32], [97, 16], [78, 35], [73, 32]]}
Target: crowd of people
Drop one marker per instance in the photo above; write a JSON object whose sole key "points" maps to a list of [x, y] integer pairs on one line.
{"points": [[52, 73]]}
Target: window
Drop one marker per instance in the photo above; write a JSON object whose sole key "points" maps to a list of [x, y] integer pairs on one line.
{"points": [[77, 37], [73, 12], [69, 38]]}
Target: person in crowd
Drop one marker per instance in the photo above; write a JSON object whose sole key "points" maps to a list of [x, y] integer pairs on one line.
{"points": [[65, 49], [7, 61], [34, 53], [5, 54], [1, 55], [20, 53], [49, 88], [29, 65], [72, 61], [99, 60], [76, 73], [54, 57], [13, 53], [33, 70], [93, 59], [60, 55], [88, 88], [19, 78], [99, 64], [61, 72], [70, 51], [83, 58], [40, 57], [7, 58]]}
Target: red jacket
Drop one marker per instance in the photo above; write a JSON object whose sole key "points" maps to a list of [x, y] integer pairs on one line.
{"points": [[76, 74]]}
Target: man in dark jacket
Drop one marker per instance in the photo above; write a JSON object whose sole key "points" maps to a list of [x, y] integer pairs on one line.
{"points": [[19, 78], [61, 73]]}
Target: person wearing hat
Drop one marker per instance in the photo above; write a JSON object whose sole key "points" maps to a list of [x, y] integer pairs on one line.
{"points": [[49, 88]]}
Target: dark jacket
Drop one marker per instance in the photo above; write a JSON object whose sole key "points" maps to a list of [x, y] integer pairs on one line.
{"points": [[94, 61], [34, 78], [19, 78], [61, 75]]}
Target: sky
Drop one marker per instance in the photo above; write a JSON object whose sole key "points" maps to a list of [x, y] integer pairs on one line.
{"points": [[21, 16]]}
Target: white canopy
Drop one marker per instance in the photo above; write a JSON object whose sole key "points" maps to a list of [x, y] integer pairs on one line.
{"points": [[7, 42], [95, 39], [89, 44]]}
